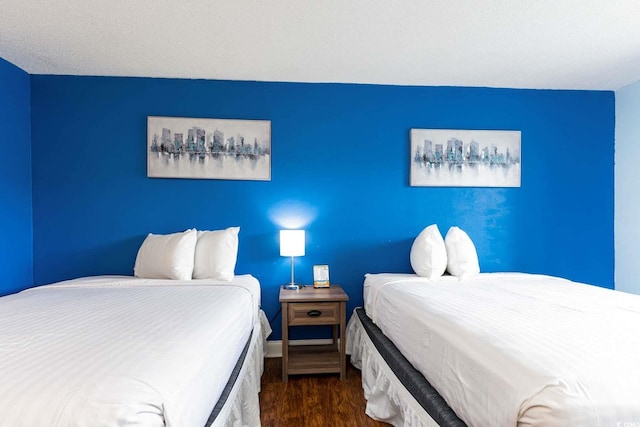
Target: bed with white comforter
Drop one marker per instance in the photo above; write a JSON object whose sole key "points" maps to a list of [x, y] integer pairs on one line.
{"points": [[506, 349], [118, 350]]}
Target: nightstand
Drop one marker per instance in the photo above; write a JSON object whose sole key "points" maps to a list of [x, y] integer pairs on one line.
{"points": [[310, 306]]}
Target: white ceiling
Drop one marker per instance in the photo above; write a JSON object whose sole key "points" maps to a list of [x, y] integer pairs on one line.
{"points": [[553, 44]]}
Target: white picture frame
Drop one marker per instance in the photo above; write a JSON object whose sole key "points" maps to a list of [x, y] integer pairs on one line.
{"points": [[321, 276], [465, 158], [182, 147]]}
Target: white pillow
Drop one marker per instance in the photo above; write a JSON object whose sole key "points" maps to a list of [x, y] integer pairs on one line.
{"points": [[428, 253], [216, 254], [168, 256], [463, 258]]}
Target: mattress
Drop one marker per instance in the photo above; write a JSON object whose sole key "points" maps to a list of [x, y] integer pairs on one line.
{"points": [[516, 349], [395, 391], [117, 350]]}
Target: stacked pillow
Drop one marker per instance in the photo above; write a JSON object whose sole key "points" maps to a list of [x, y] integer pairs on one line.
{"points": [[428, 253], [166, 256], [462, 258], [216, 253], [187, 255], [431, 255]]}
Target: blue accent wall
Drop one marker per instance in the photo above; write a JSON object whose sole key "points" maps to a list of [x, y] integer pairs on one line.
{"points": [[340, 170], [16, 243]]}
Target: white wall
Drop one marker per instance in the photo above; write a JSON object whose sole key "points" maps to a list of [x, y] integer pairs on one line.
{"points": [[627, 189]]}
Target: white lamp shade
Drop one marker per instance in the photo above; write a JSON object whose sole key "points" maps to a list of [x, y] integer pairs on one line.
{"points": [[291, 242]]}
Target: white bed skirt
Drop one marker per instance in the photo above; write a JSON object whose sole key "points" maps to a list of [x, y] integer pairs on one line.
{"points": [[243, 405], [387, 399]]}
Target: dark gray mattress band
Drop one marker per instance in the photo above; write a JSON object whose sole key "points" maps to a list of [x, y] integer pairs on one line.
{"points": [[232, 380], [409, 376]]}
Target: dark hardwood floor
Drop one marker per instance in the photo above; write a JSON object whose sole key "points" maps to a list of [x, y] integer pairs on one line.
{"points": [[312, 400]]}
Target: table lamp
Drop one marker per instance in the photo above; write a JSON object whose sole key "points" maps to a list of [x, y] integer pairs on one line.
{"points": [[291, 244]]}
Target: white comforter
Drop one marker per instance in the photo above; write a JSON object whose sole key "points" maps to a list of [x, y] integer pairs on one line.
{"points": [[508, 349], [107, 351]]}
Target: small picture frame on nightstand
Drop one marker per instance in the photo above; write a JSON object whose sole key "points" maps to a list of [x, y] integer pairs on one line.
{"points": [[321, 276]]}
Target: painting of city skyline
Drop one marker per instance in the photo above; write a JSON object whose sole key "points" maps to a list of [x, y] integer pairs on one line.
{"points": [[465, 158], [180, 147]]}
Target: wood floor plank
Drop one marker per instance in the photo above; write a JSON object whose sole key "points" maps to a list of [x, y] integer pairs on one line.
{"points": [[312, 400]]}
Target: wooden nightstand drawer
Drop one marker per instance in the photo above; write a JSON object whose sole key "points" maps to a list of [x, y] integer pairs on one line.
{"points": [[314, 313]]}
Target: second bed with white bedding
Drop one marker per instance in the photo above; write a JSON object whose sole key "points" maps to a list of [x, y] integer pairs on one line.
{"points": [[122, 351], [507, 349]]}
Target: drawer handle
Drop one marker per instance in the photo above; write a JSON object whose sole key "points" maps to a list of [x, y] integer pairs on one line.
{"points": [[314, 313]]}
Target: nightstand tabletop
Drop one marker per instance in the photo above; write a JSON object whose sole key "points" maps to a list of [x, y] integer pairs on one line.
{"points": [[309, 293]]}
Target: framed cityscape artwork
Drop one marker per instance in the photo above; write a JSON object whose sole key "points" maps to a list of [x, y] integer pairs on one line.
{"points": [[179, 147], [465, 158]]}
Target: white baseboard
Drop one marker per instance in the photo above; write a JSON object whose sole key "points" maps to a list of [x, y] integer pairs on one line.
{"points": [[274, 348]]}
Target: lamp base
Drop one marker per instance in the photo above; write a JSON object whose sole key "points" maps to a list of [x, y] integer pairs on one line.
{"points": [[291, 286]]}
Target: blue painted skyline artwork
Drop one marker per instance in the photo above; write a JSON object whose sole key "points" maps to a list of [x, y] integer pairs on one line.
{"points": [[180, 147], [465, 158]]}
